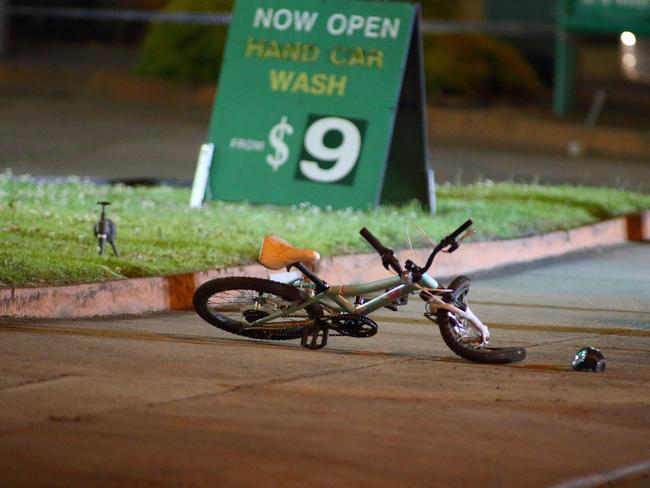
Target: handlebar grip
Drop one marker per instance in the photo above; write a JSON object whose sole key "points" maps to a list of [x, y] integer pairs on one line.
{"points": [[373, 241], [454, 235], [388, 258]]}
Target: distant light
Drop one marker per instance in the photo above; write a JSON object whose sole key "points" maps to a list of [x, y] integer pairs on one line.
{"points": [[628, 38], [629, 60]]}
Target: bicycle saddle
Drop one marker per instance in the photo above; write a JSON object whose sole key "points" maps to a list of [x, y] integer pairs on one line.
{"points": [[276, 253]]}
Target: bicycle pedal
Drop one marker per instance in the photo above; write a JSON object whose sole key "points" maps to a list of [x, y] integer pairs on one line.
{"points": [[314, 337]]}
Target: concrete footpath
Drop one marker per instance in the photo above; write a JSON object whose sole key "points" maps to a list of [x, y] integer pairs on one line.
{"points": [[167, 400]]}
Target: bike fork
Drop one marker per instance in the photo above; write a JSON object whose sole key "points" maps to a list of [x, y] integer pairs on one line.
{"points": [[466, 314]]}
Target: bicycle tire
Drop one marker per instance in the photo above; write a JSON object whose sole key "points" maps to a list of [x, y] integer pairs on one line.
{"points": [[488, 355], [245, 300]]}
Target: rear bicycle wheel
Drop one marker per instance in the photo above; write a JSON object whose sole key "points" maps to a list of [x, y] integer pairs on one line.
{"points": [[463, 339], [233, 303]]}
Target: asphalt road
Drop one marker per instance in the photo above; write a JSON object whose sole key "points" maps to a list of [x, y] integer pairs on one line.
{"points": [[167, 400], [49, 136], [468, 165]]}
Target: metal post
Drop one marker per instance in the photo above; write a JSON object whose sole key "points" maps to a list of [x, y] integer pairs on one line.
{"points": [[563, 86]]}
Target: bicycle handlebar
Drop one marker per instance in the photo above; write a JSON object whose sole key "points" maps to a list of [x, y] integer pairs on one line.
{"points": [[449, 241], [374, 242], [388, 258], [454, 235]]}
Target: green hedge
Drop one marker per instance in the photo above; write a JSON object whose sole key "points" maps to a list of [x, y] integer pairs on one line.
{"points": [[440, 9], [477, 66], [467, 65], [182, 52]]}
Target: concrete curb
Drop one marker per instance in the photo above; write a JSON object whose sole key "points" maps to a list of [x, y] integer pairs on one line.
{"points": [[142, 295]]}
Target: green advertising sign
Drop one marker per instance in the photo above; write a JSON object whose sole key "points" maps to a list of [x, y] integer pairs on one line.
{"points": [[616, 8], [577, 17], [605, 15], [307, 103]]}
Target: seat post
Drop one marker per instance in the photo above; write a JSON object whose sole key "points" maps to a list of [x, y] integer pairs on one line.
{"points": [[321, 286]]}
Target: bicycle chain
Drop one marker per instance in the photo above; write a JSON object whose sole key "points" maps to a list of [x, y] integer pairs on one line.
{"points": [[303, 323], [306, 323]]}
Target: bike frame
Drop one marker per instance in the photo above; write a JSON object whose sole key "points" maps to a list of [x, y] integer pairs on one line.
{"points": [[343, 313], [333, 298]]}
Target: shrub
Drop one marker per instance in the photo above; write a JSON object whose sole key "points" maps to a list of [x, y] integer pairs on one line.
{"points": [[473, 66], [477, 66], [440, 8], [183, 52]]}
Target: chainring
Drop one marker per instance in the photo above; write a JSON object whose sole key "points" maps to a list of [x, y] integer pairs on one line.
{"points": [[354, 325]]}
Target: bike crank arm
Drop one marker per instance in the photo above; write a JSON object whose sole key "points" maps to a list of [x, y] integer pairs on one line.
{"points": [[467, 314]]}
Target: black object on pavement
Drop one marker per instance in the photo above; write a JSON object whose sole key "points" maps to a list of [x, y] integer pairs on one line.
{"points": [[589, 359]]}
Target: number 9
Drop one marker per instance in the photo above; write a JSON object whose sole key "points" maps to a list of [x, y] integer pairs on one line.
{"points": [[345, 155]]}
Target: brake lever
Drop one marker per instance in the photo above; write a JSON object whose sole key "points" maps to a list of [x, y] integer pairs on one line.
{"points": [[391, 262], [452, 247], [455, 244], [467, 234], [387, 259], [448, 245]]}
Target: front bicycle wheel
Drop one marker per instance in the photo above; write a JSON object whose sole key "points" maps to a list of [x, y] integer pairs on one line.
{"points": [[233, 304], [464, 339]]}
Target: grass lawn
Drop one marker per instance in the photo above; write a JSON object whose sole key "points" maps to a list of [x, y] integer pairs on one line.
{"points": [[46, 228]]}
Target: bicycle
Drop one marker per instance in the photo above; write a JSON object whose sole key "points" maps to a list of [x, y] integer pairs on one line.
{"points": [[307, 308]]}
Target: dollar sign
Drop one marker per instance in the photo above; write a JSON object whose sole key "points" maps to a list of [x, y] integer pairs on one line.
{"points": [[276, 138]]}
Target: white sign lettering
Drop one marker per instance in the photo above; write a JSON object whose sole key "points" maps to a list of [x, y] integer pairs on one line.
{"points": [[283, 19], [372, 26]]}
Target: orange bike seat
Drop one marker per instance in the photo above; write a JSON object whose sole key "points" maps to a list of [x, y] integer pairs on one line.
{"points": [[276, 253]]}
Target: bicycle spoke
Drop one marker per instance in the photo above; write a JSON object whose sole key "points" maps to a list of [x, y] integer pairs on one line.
{"points": [[234, 304]]}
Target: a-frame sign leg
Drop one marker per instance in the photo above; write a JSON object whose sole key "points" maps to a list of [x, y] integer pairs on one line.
{"points": [[408, 175]]}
